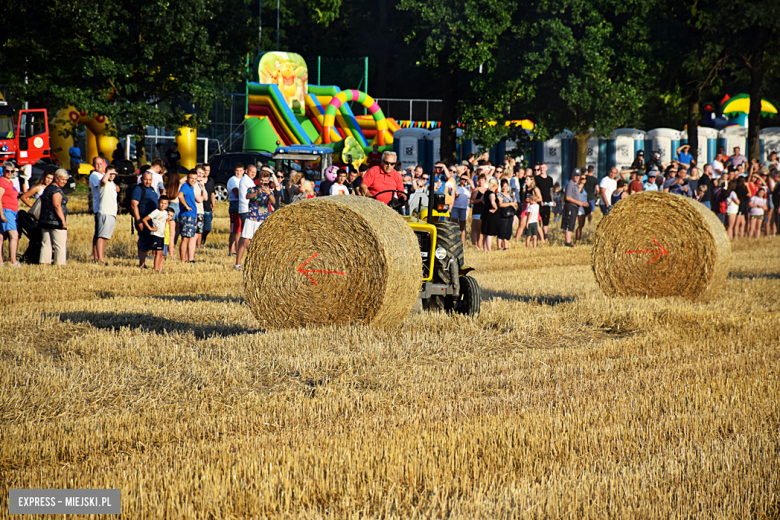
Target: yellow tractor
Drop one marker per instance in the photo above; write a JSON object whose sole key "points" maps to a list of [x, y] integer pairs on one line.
{"points": [[446, 282]]}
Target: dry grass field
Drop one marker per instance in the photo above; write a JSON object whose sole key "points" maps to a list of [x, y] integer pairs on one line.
{"points": [[556, 402]]}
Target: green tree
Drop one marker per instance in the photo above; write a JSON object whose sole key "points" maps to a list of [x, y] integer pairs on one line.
{"points": [[458, 37], [754, 44], [587, 63], [140, 62]]}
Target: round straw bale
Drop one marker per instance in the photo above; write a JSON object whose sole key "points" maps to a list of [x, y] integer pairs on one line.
{"points": [[657, 244], [332, 260]]}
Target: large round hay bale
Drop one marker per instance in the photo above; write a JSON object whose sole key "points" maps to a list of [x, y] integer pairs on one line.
{"points": [[656, 244], [333, 260]]}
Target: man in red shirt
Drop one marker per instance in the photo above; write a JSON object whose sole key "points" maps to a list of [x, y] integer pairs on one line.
{"points": [[383, 178], [636, 182]]}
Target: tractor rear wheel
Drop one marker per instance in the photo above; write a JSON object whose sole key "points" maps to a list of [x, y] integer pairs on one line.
{"points": [[448, 237], [469, 301]]}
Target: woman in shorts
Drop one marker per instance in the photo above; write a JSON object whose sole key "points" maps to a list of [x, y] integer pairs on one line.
{"points": [[758, 206]]}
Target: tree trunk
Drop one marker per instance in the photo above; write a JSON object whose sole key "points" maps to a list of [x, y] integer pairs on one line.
{"points": [[582, 151], [756, 93], [693, 127], [449, 117]]}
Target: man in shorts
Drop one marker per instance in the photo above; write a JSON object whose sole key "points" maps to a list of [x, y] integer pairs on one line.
{"points": [[235, 220], [571, 206], [144, 200], [106, 217], [98, 172]]}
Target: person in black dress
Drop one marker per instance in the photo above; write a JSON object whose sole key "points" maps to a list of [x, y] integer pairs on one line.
{"points": [[491, 217]]}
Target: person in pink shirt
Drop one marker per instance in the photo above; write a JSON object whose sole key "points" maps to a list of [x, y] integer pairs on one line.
{"points": [[9, 200]]}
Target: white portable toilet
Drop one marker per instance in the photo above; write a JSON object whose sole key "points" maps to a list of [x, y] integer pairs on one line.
{"points": [[556, 154], [771, 137], [592, 157], [666, 141], [708, 145], [435, 136], [408, 145], [733, 136], [628, 141]]}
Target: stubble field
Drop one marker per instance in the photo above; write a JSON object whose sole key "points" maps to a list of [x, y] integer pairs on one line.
{"points": [[555, 402]]}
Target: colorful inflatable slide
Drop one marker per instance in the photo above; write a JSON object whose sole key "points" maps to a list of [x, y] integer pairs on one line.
{"points": [[283, 109]]}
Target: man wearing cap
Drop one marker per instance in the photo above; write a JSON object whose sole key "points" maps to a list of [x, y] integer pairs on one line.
{"points": [[571, 206], [650, 185], [383, 178]]}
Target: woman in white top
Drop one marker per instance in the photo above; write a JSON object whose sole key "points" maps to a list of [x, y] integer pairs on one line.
{"points": [[35, 192], [757, 207], [732, 210]]}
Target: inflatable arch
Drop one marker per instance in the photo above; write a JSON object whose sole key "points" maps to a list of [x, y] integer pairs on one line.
{"points": [[382, 138], [97, 126]]}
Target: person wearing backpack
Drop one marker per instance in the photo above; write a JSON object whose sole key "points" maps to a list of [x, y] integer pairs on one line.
{"points": [[143, 201]]}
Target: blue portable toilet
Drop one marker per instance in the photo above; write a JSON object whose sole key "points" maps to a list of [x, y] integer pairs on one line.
{"points": [[410, 146]]}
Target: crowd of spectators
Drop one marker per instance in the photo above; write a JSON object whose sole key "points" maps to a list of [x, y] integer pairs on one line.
{"points": [[504, 202]]}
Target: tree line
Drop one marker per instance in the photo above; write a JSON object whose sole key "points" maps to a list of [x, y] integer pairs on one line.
{"points": [[586, 65]]}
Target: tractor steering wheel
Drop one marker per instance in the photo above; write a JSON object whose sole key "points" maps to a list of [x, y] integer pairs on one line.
{"points": [[395, 204]]}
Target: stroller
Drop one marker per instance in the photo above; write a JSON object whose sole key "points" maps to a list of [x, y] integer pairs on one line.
{"points": [[28, 227]]}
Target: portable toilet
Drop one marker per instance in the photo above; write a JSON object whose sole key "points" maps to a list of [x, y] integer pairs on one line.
{"points": [[628, 141], [733, 136], [666, 141], [409, 145], [708, 145], [557, 153], [435, 138], [771, 138]]}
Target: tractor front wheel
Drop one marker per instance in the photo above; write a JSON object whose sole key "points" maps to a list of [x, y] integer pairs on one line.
{"points": [[470, 299]]}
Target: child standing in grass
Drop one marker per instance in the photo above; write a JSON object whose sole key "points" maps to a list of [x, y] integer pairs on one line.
{"points": [[157, 223], [533, 221]]}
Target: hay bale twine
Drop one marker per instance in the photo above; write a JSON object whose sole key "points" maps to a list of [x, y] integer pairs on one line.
{"points": [[332, 260], [657, 244]]}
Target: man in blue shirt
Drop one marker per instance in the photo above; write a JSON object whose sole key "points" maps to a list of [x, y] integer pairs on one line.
{"points": [[144, 200], [676, 184], [75, 158], [684, 156], [650, 185]]}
